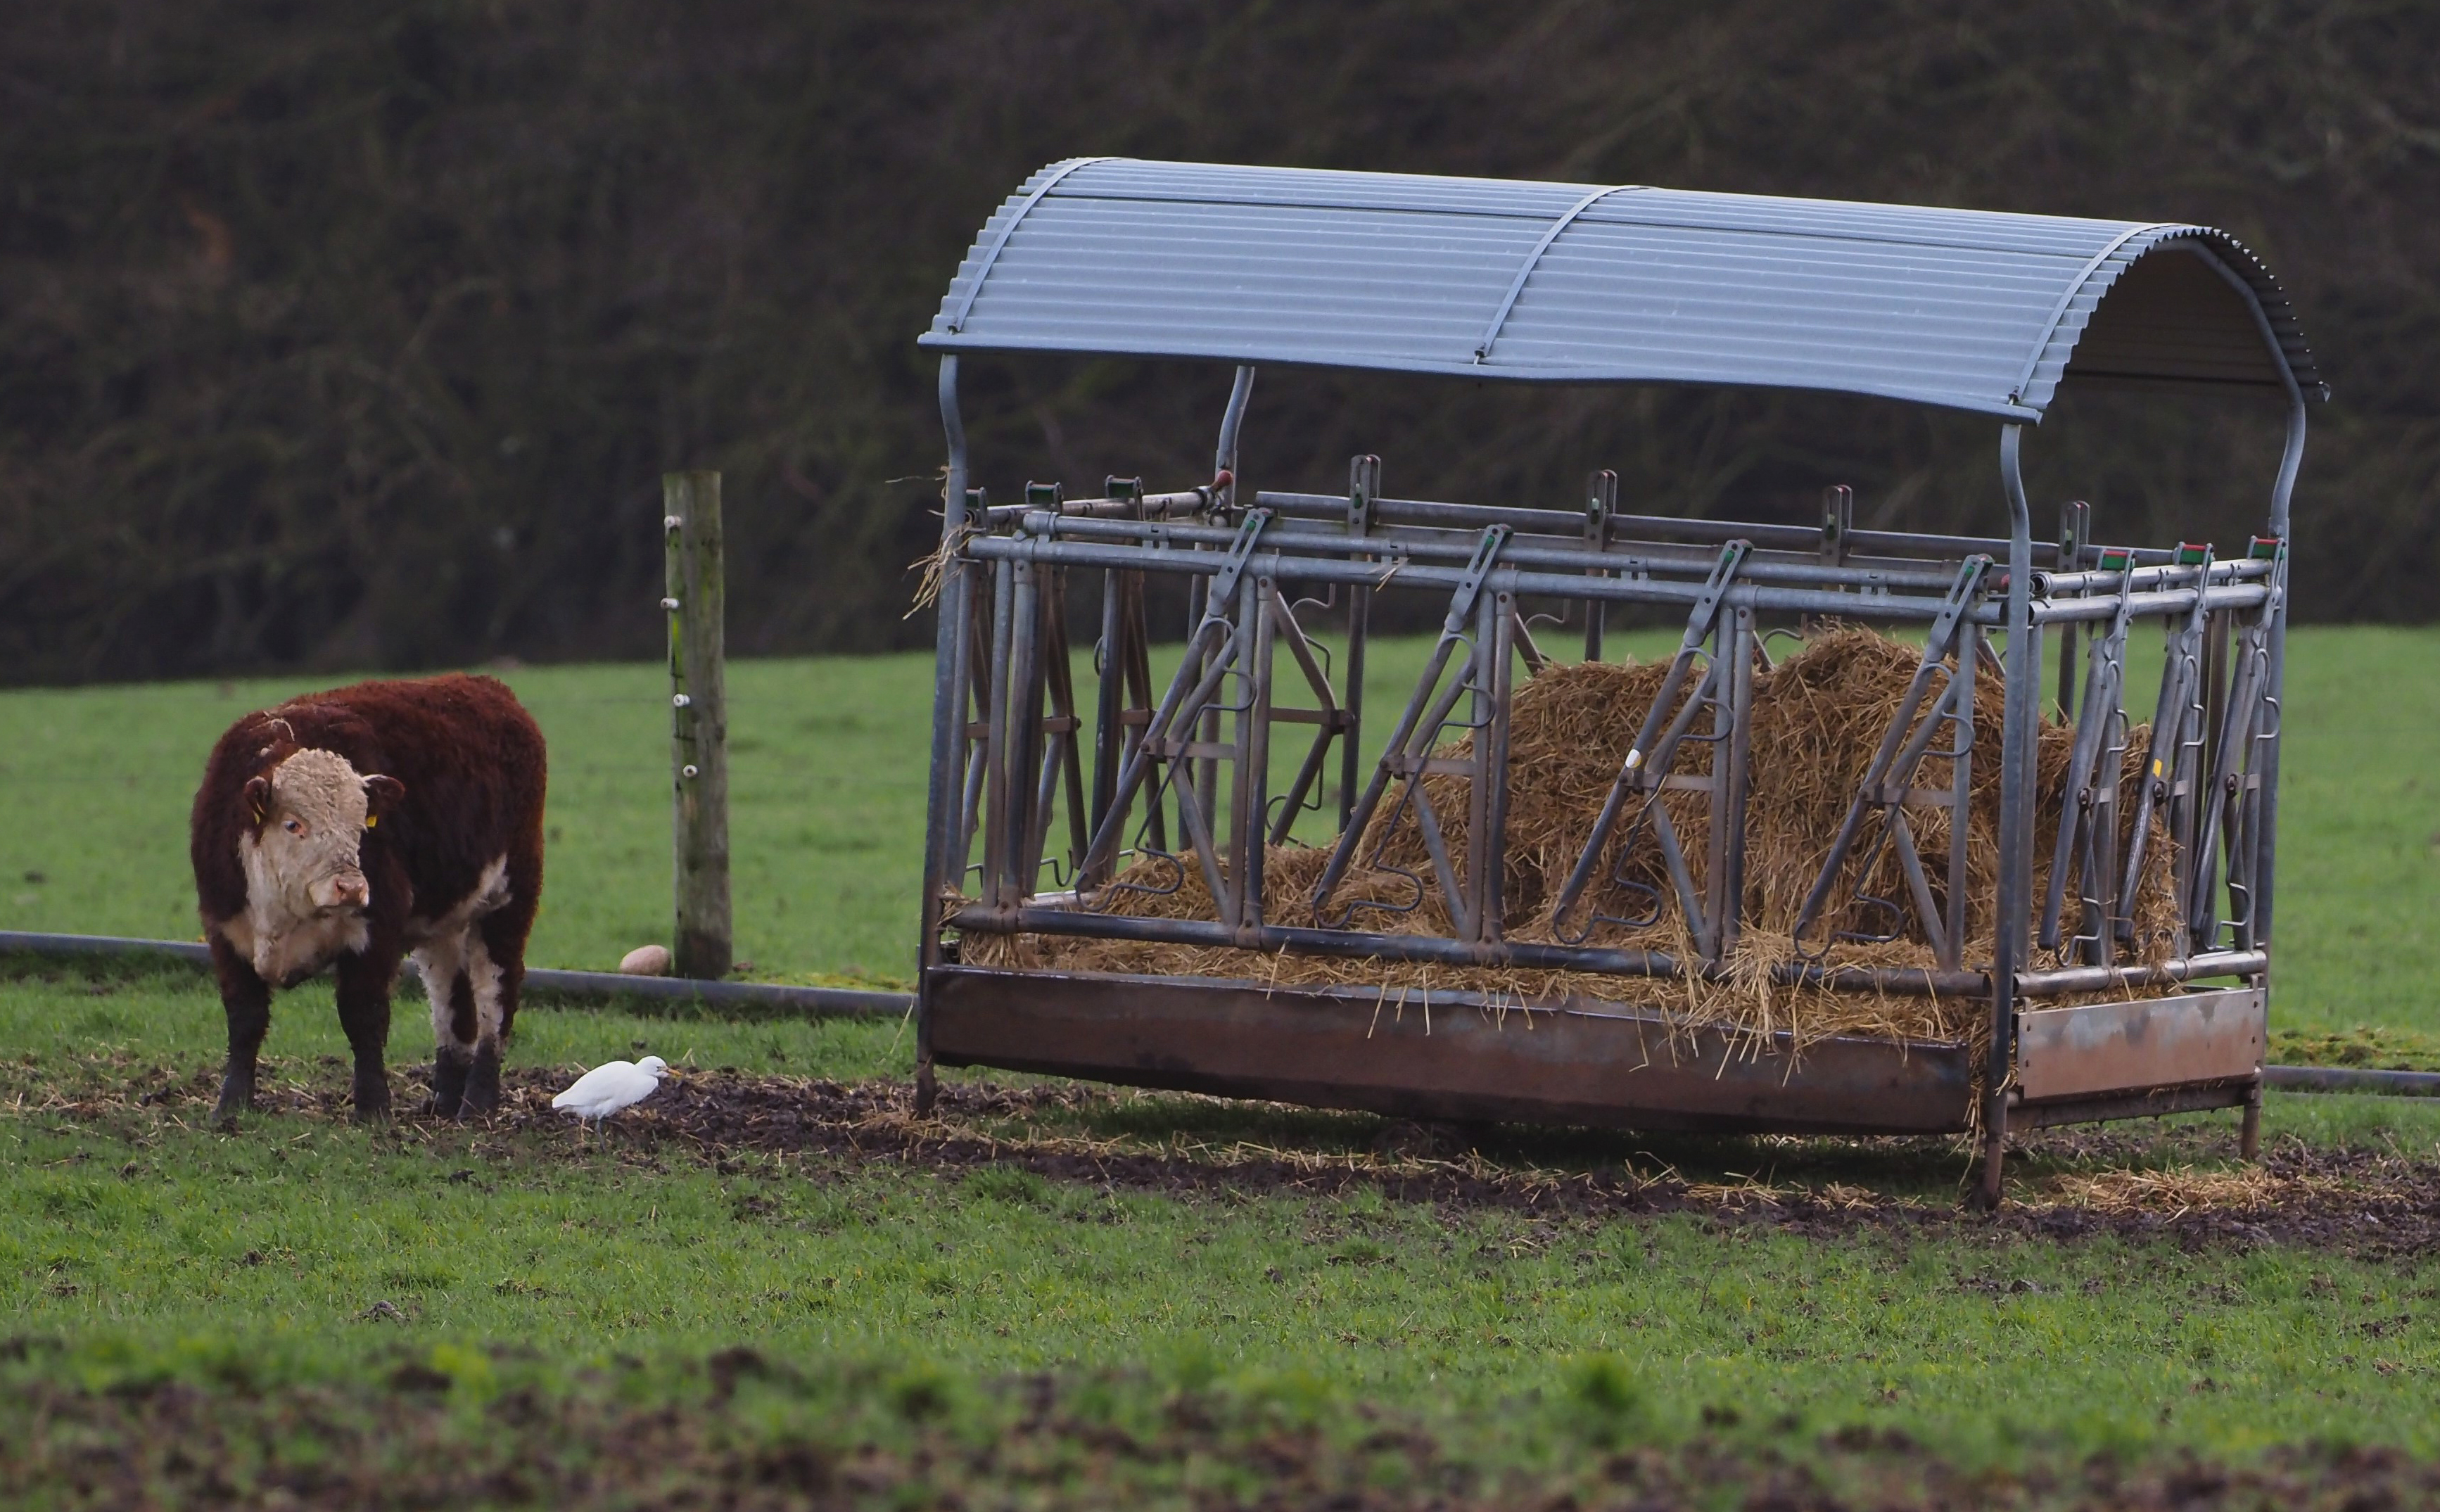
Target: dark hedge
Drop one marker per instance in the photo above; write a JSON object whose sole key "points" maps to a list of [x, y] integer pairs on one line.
{"points": [[356, 335]]}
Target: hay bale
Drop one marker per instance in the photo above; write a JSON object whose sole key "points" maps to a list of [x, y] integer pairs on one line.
{"points": [[1818, 720]]}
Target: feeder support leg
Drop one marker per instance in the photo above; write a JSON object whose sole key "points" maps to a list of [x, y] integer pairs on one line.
{"points": [[2015, 817], [2266, 846], [942, 801]]}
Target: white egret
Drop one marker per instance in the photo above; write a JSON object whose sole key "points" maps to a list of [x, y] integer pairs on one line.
{"points": [[608, 1087]]}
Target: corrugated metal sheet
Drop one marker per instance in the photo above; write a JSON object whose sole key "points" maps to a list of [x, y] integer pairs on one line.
{"points": [[1571, 283]]}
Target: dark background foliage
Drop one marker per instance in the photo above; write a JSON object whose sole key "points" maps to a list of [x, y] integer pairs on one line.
{"points": [[358, 334]]}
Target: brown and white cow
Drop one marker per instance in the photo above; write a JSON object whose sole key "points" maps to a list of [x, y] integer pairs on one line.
{"points": [[348, 828]]}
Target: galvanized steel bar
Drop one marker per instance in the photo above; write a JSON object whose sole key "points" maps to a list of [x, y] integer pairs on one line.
{"points": [[1530, 521], [2267, 845], [1526, 520], [1110, 734], [2292, 457], [1894, 760], [1363, 487], [2078, 817], [942, 816], [2143, 579], [2165, 601], [1733, 724], [2199, 967], [2075, 522], [1331, 718], [1542, 584], [1249, 803], [1601, 505], [2015, 812], [1412, 737], [1650, 757], [1486, 849], [1019, 720], [1223, 482], [1411, 542], [1961, 797]]}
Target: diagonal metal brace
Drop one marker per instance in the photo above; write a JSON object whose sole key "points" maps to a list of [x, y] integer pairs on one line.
{"points": [[1222, 595], [1412, 738], [1873, 792], [2081, 812], [2164, 765], [1190, 689], [1701, 621]]}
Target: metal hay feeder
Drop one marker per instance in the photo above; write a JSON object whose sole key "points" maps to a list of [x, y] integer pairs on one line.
{"points": [[1564, 283]]}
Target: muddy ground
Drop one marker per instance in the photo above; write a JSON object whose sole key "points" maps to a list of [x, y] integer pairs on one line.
{"points": [[399, 1446], [2140, 1182], [403, 1440]]}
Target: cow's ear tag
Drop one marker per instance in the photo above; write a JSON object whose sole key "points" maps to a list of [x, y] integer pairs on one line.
{"points": [[372, 819]]}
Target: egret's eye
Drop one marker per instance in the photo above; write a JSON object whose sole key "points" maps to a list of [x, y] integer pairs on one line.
{"points": [[294, 826]]}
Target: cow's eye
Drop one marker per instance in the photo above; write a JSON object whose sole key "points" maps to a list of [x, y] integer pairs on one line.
{"points": [[294, 826]]}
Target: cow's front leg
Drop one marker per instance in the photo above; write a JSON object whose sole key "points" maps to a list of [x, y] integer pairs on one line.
{"points": [[364, 1016], [246, 998]]}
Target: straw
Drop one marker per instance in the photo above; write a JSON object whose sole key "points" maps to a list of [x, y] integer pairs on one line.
{"points": [[1818, 719]]}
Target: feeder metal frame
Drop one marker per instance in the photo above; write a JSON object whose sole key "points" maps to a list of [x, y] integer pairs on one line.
{"points": [[1959, 309]]}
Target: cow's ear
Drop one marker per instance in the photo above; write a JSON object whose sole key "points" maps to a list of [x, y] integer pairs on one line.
{"points": [[381, 794], [257, 801]]}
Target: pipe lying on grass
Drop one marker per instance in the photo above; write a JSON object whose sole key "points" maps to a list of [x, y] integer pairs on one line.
{"points": [[2351, 1079], [762, 998], [846, 1001]]}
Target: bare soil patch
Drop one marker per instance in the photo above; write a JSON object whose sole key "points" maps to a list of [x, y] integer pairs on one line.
{"points": [[2180, 1185]]}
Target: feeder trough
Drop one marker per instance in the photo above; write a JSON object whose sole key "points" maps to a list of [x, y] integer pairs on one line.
{"points": [[2080, 1002]]}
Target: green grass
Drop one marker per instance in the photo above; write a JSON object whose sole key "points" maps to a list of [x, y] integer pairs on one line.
{"points": [[135, 1248], [147, 1249], [273, 1248], [826, 807], [826, 802]]}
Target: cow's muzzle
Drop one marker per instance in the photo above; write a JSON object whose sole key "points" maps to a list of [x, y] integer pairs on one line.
{"points": [[348, 893]]}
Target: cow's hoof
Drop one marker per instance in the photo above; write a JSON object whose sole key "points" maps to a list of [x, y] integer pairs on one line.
{"points": [[372, 1101], [483, 1083], [448, 1085], [237, 1099]]}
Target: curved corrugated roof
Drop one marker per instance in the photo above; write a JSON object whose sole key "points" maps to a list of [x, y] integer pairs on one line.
{"points": [[1576, 284]]}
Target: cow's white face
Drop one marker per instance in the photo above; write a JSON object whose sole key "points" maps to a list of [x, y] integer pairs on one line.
{"points": [[304, 853]]}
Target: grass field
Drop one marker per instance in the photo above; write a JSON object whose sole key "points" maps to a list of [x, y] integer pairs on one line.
{"points": [[828, 803], [1067, 1297]]}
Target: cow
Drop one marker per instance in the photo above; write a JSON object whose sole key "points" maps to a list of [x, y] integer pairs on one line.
{"points": [[347, 828]]}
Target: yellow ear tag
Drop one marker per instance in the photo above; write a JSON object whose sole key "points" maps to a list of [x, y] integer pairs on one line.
{"points": [[372, 819]]}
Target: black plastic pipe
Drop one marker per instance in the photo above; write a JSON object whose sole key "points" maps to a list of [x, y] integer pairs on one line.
{"points": [[819, 1003]]}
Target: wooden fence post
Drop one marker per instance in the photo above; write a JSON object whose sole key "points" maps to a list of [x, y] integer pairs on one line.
{"points": [[698, 721]]}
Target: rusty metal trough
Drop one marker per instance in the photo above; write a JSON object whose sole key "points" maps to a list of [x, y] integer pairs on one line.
{"points": [[1036, 803]]}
